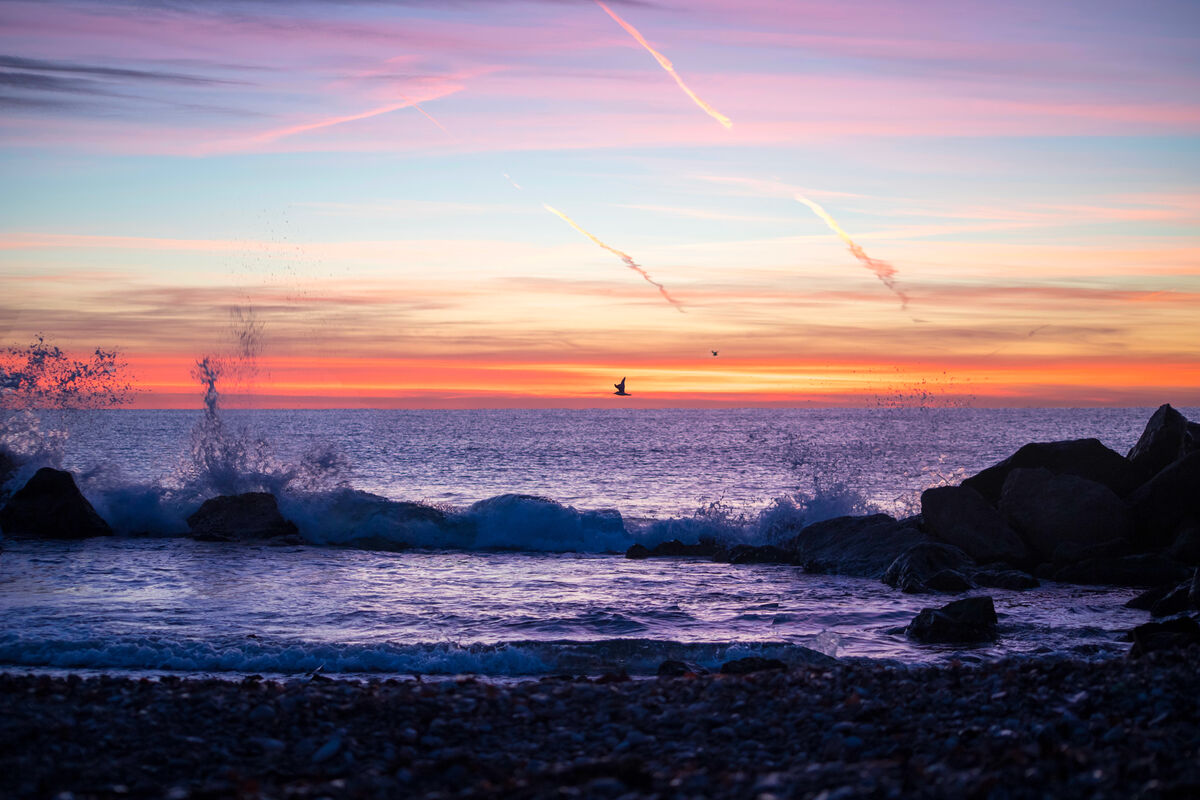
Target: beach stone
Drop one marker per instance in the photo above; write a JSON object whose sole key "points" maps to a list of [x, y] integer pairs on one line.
{"points": [[744, 666], [1167, 503], [959, 515], [50, 506], [1146, 569], [912, 570], [1048, 509], [1084, 458], [677, 669], [862, 546], [1011, 579], [972, 619], [252, 516], [1160, 442], [1171, 634]]}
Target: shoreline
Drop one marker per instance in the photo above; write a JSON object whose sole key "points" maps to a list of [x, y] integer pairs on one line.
{"points": [[1023, 728]]}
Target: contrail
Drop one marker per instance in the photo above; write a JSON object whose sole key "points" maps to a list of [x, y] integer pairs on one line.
{"points": [[882, 269], [666, 64], [629, 262], [427, 115]]}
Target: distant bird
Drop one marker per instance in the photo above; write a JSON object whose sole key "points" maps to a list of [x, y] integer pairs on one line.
{"points": [[714, 352], [621, 389]]}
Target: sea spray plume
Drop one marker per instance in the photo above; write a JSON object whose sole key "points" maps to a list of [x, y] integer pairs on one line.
{"points": [[629, 262], [882, 269], [666, 64]]}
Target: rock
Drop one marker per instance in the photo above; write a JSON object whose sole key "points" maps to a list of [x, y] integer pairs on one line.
{"points": [[1161, 441], [1084, 458], [1147, 569], [762, 554], [674, 549], [1172, 634], [253, 516], [1191, 439], [959, 515], [1186, 547], [678, 669], [1076, 552], [744, 666], [948, 580], [1011, 579], [912, 570], [1194, 589], [50, 506], [1149, 598], [1167, 503], [972, 619], [862, 546], [1048, 509], [1174, 602]]}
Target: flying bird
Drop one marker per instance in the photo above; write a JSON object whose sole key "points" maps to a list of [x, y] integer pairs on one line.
{"points": [[714, 352], [621, 389]]}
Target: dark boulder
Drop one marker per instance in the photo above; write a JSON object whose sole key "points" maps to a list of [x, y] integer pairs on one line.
{"points": [[913, 569], [1186, 547], [1194, 589], [757, 554], [861, 546], [1011, 579], [959, 515], [744, 666], [1150, 598], [1167, 503], [638, 551], [1076, 552], [1160, 442], [1084, 458], [1174, 602], [1147, 569], [678, 669], [1048, 509], [675, 549], [1191, 439], [50, 506], [253, 516], [950, 581], [972, 619], [1173, 634]]}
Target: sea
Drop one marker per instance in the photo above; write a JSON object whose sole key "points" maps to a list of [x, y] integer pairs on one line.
{"points": [[534, 581]]}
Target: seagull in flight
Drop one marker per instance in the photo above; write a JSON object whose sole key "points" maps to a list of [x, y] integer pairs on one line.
{"points": [[714, 352], [621, 389]]}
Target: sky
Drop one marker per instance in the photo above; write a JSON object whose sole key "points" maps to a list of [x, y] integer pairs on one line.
{"points": [[488, 203]]}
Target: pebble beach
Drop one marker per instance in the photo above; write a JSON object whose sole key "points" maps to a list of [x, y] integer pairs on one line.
{"points": [[1010, 729]]}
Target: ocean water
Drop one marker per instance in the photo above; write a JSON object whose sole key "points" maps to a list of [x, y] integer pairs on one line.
{"points": [[528, 587]]}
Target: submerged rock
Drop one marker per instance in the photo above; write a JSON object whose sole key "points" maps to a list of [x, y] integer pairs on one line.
{"points": [[1161, 441], [744, 666], [757, 554], [678, 669], [930, 566], [50, 506], [1048, 509], [1084, 458], [1147, 569], [972, 619], [861, 546], [959, 515], [674, 549], [253, 516]]}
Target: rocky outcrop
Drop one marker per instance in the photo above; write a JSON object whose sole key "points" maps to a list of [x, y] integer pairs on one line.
{"points": [[1048, 509], [1145, 569], [1011, 579], [1161, 441], [50, 506], [1084, 458], [1173, 634], [862, 546], [249, 517], [675, 549], [1167, 503], [927, 567], [960, 516], [972, 619], [756, 554]]}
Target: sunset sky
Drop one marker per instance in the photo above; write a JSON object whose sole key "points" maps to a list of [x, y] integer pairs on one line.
{"points": [[390, 187]]}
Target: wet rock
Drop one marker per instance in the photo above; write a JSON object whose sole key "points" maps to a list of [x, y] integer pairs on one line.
{"points": [[1194, 589], [1149, 598], [1148, 569], [1011, 579], [1084, 458], [1174, 602], [253, 516], [1048, 509], [1172, 634], [862, 546], [744, 666], [1186, 547], [50, 506], [677, 669], [950, 581], [913, 570], [1160, 442], [959, 515], [674, 549], [761, 554], [1167, 503], [1077, 552], [972, 619]]}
